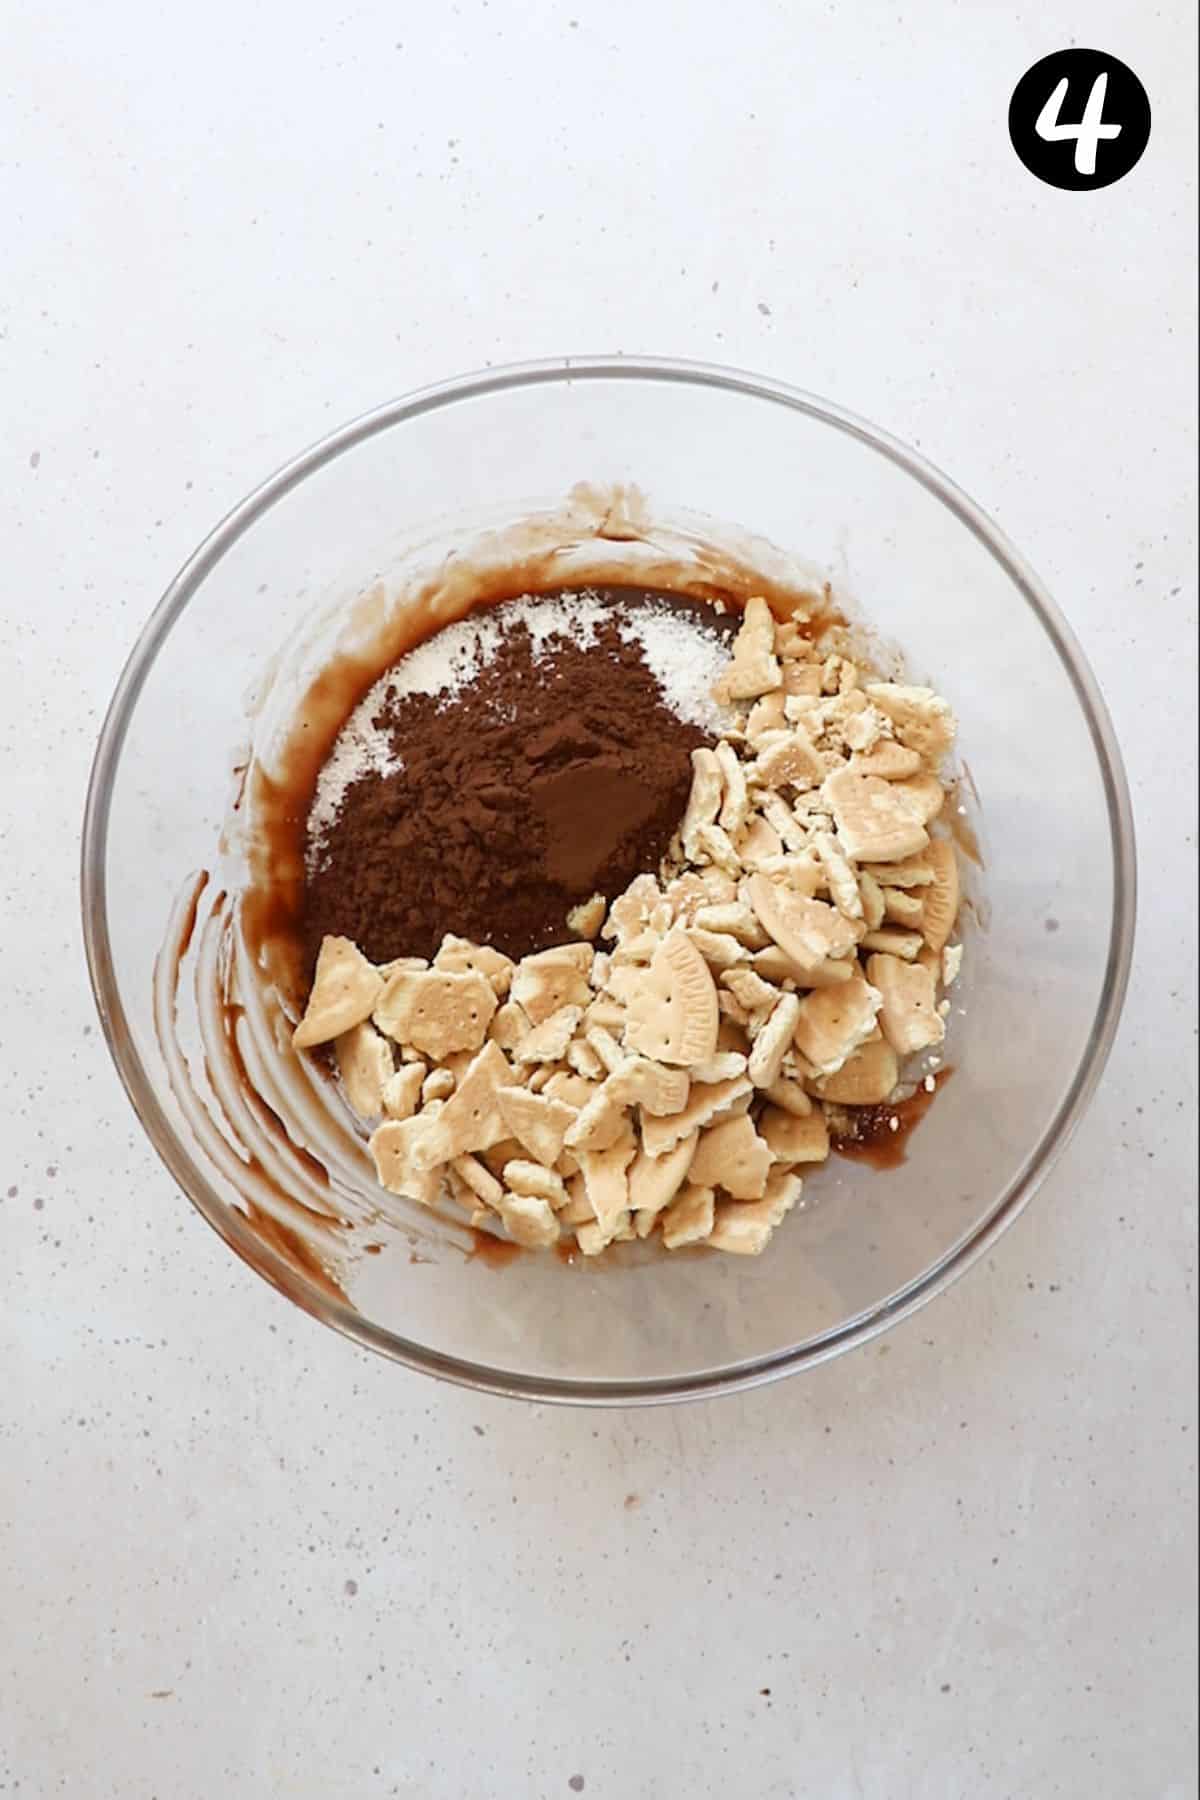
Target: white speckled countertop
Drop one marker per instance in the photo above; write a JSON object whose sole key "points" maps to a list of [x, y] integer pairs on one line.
{"points": [[239, 1557]]}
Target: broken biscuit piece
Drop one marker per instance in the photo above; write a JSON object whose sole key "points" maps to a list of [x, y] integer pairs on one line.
{"points": [[393, 1148], [766, 715], [790, 1096], [689, 1218], [865, 1079], [402, 1091], [840, 878], [540, 1121], [344, 991], [920, 718], [585, 920], [366, 1065], [438, 1085], [529, 1221], [471, 1119], [479, 1179], [758, 842], [720, 949], [941, 897], [724, 1066], [733, 918], [436, 1012], [598, 1123], [509, 1025], [655, 1180], [772, 1041], [894, 941], [753, 994], [924, 794], [606, 1183], [755, 667], [903, 906], [808, 931], [908, 1015], [460, 956], [547, 1042], [833, 1022], [793, 1139], [532, 1180], [745, 1227], [706, 1103], [658, 1090], [704, 801], [672, 1012], [544, 983], [889, 759], [910, 872], [583, 1059], [875, 821], [734, 1157], [787, 759], [630, 912], [735, 805]]}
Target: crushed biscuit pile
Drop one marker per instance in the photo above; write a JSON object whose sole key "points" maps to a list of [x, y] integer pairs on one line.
{"points": [[773, 976]]}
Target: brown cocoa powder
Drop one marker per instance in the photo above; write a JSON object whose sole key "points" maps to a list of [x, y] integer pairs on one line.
{"points": [[541, 782]]}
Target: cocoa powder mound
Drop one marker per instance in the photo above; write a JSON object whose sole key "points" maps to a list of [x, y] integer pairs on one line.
{"points": [[546, 779]]}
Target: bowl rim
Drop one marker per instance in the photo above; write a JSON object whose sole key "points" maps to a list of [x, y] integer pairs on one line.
{"points": [[229, 1223]]}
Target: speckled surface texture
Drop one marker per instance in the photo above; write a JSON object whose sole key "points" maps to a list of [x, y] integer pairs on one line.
{"points": [[239, 1557]]}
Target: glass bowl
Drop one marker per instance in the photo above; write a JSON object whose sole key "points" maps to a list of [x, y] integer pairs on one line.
{"points": [[438, 482]]}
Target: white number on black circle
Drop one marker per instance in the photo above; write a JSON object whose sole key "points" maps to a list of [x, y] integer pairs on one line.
{"points": [[1090, 129]]}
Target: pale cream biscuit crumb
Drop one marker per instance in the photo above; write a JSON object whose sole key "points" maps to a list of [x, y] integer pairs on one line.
{"points": [[875, 822], [345, 989], [833, 1022], [706, 1103], [546, 982], [436, 1012], [548, 1041], [366, 1065], [689, 1218], [672, 1013], [941, 897], [532, 1180], [731, 1155], [529, 1221], [655, 1180], [402, 1091], [745, 1227], [865, 1079], [461, 956], [894, 941], [471, 1119], [438, 1085], [585, 920], [772, 1041], [792, 1138], [479, 1179]]}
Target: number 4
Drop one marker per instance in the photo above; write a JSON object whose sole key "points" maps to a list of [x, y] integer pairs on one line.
{"points": [[1087, 133]]}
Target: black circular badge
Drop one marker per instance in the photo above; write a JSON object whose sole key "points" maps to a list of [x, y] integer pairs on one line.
{"points": [[1079, 119]]}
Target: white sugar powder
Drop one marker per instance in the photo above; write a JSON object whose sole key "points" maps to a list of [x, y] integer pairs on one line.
{"points": [[359, 749], [685, 659], [684, 656]]}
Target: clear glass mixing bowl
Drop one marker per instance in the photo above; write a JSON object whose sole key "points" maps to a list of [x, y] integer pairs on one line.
{"points": [[1048, 942]]}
